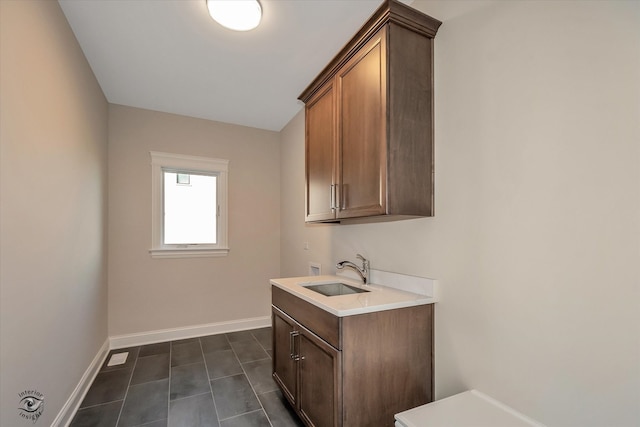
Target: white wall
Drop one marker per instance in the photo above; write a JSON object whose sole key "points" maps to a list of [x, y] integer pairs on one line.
{"points": [[536, 238], [148, 294], [53, 188], [294, 233]]}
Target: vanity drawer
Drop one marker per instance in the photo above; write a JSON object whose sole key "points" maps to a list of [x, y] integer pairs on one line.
{"points": [[320, 322]]}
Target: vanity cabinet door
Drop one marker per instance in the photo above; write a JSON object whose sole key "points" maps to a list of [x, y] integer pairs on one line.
{"points": [[284, 349], [320, 382]]}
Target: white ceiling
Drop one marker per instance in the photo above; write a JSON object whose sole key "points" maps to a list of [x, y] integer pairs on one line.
{"points": [[169, 55]]}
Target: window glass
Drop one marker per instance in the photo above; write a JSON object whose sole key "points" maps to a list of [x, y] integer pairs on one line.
{"points": [[190, 208]]}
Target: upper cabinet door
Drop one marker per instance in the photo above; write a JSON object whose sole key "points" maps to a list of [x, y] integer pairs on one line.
{"points": [[320, 191], [362, 129]]}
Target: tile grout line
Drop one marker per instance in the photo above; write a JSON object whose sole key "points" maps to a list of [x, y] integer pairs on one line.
{"points": [[189, 397], [249, 381], [245, 413], [99, 404], [206, 368], [126, 392], [268, 357], [169, 386]]}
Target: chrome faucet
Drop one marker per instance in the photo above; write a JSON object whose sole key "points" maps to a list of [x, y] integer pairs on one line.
{"points": [[362, 271]]}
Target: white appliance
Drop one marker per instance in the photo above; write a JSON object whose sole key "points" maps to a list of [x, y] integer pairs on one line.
{"points": [[468, 409]]}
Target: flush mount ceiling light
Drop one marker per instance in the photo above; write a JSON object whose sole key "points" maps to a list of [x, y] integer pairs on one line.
{"points": [[239, 15]]}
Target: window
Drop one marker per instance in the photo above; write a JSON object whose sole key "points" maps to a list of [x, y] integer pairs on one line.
{"points": [[189, 196]]}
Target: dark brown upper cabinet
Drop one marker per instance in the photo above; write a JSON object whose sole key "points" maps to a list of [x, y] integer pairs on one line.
{"points": [[369, 123]]}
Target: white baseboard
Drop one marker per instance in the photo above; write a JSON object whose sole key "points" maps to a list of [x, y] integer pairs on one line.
{"points": [[73, 403], [152, 337]]}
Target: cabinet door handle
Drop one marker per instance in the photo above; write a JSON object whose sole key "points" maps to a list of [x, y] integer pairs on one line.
{"points": [[332, 196], [292, 336]]}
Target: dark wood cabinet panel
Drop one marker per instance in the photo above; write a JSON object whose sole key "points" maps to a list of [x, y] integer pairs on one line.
{"points": [[393, 361], [284, 366], [362, 126], [411, 143], [379, 129], [320, 376], [320, 155], [320, 322], [308, 371]]}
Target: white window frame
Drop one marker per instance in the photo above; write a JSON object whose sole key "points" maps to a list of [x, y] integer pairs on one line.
{"points": [[178, 162]]}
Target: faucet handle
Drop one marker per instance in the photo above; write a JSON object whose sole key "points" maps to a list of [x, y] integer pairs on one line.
{"points": [[365, 262]]}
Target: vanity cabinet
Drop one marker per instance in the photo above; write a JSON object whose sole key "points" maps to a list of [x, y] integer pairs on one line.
{"points": [[309, 376], [355, 370], [369, 122]]}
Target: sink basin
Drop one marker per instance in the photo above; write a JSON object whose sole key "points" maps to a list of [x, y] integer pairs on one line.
{"points": [[334, 289]]}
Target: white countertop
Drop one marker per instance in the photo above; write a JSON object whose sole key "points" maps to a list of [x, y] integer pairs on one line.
{"points": [[468, 409], [378, 299]]}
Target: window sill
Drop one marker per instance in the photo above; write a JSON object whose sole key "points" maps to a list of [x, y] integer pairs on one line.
{"points": [[188, 252]]}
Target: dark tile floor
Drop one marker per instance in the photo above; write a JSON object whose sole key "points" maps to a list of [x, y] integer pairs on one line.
{"points": [[215, 381]]}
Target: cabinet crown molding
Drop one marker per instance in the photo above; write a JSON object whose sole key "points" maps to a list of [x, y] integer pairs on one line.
{"points": [[391, 11]]}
